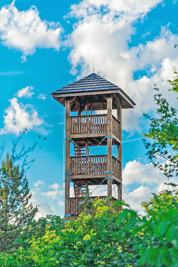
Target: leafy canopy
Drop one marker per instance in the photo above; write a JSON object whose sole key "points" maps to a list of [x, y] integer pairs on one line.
{"points": [[16, 211], [163, 133]]}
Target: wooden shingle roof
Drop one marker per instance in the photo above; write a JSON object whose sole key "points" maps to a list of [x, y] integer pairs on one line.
{"points": [[92, 84]]}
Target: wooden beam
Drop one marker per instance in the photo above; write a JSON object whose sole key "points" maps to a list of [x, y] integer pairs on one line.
{"points": [[109, 145], [101, 92], [86, 176], [78, 109], [83, 136], [119, 117], [90, 178], [73, 103], [101, 102], [119, 190], [67, 156], [86, 108], [74, 99], [117, 141]]}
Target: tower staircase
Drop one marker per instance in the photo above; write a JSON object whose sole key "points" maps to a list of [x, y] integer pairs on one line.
{"points": [[80, 189], [80, 149]]}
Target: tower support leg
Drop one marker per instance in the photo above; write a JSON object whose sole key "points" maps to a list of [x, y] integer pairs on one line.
{"points": [[109, 146], [67, 158]]}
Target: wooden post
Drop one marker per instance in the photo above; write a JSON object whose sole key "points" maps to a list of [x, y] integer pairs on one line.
{"points": [[119, 117], [67, 157], [86, 108], [109, 145], [78, 109]]}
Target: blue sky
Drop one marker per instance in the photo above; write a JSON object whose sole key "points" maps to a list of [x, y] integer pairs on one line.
{"points": [[46, 46]]}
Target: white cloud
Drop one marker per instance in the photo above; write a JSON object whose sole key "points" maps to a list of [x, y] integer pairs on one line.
{"points": [[147, 178], [131, 8], [25, 31], [48, 202], [18, 117], [98, 190], [51, 194], [26, 92], [54, 186], [136, 172], [42, 97], [55, 193], [104, 36], [44, 207], [164, 185], [61, 203], [39, 183], [137, 196]]}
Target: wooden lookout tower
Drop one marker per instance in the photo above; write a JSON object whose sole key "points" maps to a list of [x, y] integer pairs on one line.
{"points": [[93, 112]]}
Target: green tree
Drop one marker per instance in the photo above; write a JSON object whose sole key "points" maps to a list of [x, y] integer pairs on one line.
{"points": [[16, 211], [107, 238], [163, 134], [162, 201], [159, 246]]}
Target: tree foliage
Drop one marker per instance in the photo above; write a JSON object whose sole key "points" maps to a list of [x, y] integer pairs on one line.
{"points": [[16, 211], [163, 133], [107, 238]]}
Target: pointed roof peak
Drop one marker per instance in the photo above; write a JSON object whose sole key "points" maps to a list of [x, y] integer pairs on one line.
{"points": [[93, 74], [93, 83]]}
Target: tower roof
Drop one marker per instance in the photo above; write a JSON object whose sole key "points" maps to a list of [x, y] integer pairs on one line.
{"points": [[92, 84]]}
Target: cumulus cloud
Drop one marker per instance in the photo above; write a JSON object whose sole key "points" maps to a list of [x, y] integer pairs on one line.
{"points": [[137, 196], [18, 117], [49, 202], [55, 192], [44, 207], [146, 178], [25, 31], [26, 92], [132, 8], [104, 37], [54, 186], [136, 172]]}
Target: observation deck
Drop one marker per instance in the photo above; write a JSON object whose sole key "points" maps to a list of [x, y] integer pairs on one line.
{"points": [[94, 168], [94, 128]]}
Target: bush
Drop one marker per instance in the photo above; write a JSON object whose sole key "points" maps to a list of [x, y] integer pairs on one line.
{"points": [[106, 237]]}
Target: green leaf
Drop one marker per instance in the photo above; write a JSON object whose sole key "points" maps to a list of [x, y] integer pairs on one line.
{"points": [[161, 228], [171, 233]]}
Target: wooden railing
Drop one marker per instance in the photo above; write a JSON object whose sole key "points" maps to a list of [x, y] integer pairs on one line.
{"points": [[88, 124], [88, 165], [116, 167], [94, 165], [116, 128], [94, 124], [78, 205]]}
